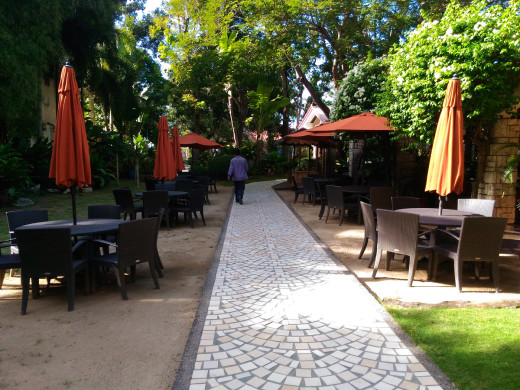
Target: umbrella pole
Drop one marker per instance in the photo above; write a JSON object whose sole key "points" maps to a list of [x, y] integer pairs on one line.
{"points": [[73, 193], [441, 204]]}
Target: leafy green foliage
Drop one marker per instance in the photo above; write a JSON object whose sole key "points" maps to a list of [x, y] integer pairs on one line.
{"points": [[480, 43], [14, 171]]}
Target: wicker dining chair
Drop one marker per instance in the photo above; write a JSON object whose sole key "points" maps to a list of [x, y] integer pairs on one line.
{"points": [[405, 202], [370, 231], [480, 240], [398, 233]]}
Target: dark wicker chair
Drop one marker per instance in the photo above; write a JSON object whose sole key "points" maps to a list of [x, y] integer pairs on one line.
{"points": [[399, 233], [158, 263], [48, 252], [109, 211], [137, 244], [483, 207], [381, 198], [153, 202], [203, 182], [336, 201], [370, 231], [297, 189], [213, 182], [182, 184], [15, 219], [405, 202], [7, 261], [480, 240], [123, 198], [323, 198], [194, 203], [309, 190]]}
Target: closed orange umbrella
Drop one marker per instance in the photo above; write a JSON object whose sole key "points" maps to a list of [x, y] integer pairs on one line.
{"points": [[164, 168], [70, 162], [446, 169], [177, 153]]}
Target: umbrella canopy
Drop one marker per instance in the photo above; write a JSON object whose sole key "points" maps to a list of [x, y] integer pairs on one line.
{"points": [[164, 168], [70, 162], [361, 122], [177, 153], [307, 137], [197, 141], [446, 169]]}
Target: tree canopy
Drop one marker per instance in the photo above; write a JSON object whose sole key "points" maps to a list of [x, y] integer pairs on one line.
{"points": [[480, 43]]}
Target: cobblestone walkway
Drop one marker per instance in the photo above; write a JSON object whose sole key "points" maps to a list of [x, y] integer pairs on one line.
{"points": [[283, 314]]}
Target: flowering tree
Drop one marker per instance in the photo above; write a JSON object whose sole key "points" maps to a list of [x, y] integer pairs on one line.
{"points": [[480, 43], [358, 91]]}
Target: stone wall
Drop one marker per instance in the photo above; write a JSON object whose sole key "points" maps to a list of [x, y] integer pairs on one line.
{"points": [[507, 130]]}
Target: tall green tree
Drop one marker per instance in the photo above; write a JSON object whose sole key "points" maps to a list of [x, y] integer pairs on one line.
{"points": [[480, 43]]}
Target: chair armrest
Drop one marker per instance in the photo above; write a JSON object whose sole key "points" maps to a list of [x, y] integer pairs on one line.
{"points": [[103, 242], [10, 241]]}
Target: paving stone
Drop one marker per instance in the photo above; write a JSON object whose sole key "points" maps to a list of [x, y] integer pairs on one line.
{"points": [[273, 321]]}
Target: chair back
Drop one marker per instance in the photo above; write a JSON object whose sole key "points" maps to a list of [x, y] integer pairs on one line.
{"points": [[334, 196], [123, 198], [308, 185], [369, 220], [153, 202], [169, 185], [45, 251], [483, 207], [110, 211], [381, 197], [149, 183], [322, 192], [183, 184], [405, 202], [196, 199], [203, 180], [295, 185], [481, 238], [397, 232], [15, 219], [137, 240]]}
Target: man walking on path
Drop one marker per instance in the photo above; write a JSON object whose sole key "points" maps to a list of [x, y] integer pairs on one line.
{"points": [[237, 172]]}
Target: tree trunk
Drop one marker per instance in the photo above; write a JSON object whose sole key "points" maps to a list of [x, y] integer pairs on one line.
{"points": [[310, 88], [231, 114], [284, 129]]}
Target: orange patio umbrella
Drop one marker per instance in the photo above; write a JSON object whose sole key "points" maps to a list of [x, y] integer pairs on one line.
{"points": [[164, 168], [446, 169], [70, 162], [177, 153], [196, 141], [308, 137], [362, 122]]}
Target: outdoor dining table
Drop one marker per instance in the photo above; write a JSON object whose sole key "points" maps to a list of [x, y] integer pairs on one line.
{"points": [[84, 227], [359, 190], [431, 217], [171, 194]]}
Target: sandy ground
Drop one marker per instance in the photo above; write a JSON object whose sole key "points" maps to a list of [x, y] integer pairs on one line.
{"points": [[107, 343]]}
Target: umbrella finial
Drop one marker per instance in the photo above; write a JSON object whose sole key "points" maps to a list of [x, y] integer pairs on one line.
{"points": [[455, 77], [68, 65]]}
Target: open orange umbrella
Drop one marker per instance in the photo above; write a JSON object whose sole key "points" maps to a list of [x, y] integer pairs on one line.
{"points": [[446, 169], [308, 137], [177, 153], [70, 162], [362, 122], [164, 168], [196, 141]]}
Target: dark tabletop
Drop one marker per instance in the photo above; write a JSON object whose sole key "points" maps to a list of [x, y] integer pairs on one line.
{"points": [[84, 227], [171, 194], [430, 216]]}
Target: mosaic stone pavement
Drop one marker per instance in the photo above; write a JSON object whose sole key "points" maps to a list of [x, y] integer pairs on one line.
{"points": [[284, 315]]}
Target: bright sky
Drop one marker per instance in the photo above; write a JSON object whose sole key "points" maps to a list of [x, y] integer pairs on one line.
{"points": [[152, 5]]}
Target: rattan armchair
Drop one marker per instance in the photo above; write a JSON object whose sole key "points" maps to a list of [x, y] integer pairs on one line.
{"points": [[397, 233], [370, 231]]}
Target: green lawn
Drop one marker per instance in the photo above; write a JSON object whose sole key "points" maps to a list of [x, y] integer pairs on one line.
{"points": [[477, 348]]}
